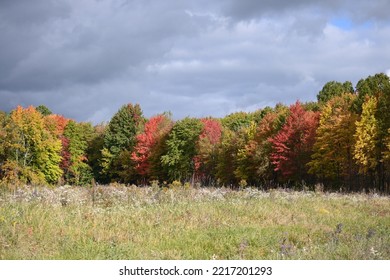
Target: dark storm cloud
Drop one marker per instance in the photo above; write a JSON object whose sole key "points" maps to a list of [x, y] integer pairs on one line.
{"points": [[85, 59], [48, 51], [94, 42]]}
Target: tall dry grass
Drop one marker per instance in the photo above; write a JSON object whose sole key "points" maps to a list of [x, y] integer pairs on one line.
{"points": [[119, 222]]}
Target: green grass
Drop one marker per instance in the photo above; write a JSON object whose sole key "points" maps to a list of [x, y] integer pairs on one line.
{"points": [[186, 223]]}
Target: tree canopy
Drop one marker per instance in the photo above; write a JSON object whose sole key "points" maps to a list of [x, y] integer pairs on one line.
{"points": [[341, 141]]}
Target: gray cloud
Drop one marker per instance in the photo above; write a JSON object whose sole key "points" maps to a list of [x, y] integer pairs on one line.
{"points": [[85, 59], [98, 40], [359, 10]]}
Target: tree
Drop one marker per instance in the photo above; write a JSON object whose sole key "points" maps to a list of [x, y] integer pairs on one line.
{"points": [[3, 133], [378, 87], [206, 146], [123, 128], [181, 149], [292, 145], [77, 171], [226, 153], [120, 136], [332, 89], [244, 158], [56, 124], [386, 154], [32, 152], [244, 154], [44, 110], [236, 121], [311, 106], [94, 152], [154, 131], [367, 151], [332, 156]]}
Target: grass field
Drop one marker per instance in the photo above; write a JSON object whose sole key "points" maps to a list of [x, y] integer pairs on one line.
{"points": [[117, 222]]}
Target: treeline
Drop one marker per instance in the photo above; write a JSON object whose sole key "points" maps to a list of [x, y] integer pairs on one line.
{"points": [[340, 141]]}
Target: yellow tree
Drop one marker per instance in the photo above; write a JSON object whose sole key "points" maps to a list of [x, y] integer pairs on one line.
{"points": [[252, 160], [245, 153], [32, 152], [332, 156], [367, 152], [226, 151]]}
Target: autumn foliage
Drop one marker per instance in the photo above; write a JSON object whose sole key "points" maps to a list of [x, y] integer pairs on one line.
{"points": [[332, 157], [154, 131], [341, 141], [292, 145], [206, 147]]}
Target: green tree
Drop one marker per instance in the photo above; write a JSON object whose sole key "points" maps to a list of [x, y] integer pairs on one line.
{"points": [[181, 149], [311, 106], [94, 153], [226, 157], [236, 121], [120, 136], [78, 135], [377, 86], [44, 110], [332, 89]]}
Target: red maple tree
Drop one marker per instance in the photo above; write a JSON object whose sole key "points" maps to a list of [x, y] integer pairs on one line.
{"points": [[154, 129], [292, 145], [56, 124], [208, 138]]}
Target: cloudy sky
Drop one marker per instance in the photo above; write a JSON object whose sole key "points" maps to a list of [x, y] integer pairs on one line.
{"points": [[84, 59]]}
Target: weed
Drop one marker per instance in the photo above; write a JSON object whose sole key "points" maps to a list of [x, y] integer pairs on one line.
{"points": [[128, 222]]}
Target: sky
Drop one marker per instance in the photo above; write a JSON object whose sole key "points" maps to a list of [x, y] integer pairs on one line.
{"points": [[85, 59]]}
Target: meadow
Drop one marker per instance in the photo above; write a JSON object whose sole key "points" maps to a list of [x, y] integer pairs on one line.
{"points": [[183, 222]]}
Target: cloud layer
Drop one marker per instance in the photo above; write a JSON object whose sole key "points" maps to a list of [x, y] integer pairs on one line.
{"points": [[85, 59]]}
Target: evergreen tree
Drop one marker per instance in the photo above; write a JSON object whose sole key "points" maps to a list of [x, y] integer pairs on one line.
{"points": [[120, 136]]}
